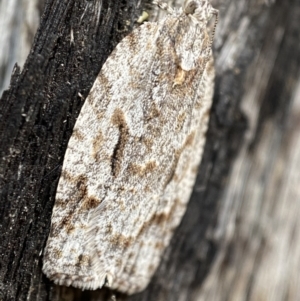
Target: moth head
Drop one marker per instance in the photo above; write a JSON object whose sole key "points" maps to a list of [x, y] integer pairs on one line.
{"points": [[200, 10]]}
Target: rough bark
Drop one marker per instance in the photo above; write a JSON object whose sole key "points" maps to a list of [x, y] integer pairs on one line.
{"points": [[239, 239]]}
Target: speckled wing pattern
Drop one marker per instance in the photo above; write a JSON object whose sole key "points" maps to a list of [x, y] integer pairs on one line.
{"points": [[132, 159]]}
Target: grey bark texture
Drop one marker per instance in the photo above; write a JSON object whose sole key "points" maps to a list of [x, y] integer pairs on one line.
{"points": [[239, 239]]}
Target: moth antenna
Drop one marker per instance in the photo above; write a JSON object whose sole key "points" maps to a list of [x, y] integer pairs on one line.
{"points": [[215, 12]]}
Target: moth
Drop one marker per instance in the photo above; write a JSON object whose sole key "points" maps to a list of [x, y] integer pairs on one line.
{"points": [[133, 156]]}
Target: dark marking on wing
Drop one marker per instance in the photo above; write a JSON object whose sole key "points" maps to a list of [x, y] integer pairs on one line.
{"points": [[90, 203], [66, 223], [60, 203], [188, 142], [148, 142], [153, 112], [158, 219], [57, 253], [118, 119], [83, 260], [121, 241], [78, 203], [180, 121], [77, 134]]}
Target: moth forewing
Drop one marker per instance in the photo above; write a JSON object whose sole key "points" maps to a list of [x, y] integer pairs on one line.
{"points": [[132, 159]]}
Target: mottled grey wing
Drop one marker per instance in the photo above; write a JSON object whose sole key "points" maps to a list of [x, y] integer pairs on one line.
{"points": [[130, 164]]}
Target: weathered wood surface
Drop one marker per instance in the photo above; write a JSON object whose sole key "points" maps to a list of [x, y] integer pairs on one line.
{"points": [[19, 20], [239, 239]]}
